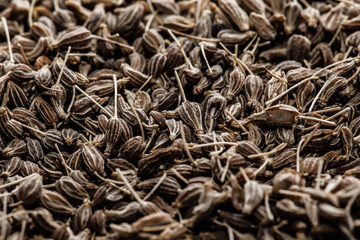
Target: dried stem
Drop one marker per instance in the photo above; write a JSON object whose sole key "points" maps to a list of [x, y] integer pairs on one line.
{"points": [[182, 93], [94, 101], [188, 63], [318, 120], [3, 222], [275, 150], [318, 176], [115, 97], [144, 84], [307, 140], [177, 174], [190, 36], [131, 189], [6, 29], [298, 155], [67, 168], [244, 174], [19, 180], [113, 42], [213, 144], [237, 121], [24, 55], [63, 67], [186, 147], [83, 127], [267, 207], [205, 59], [28, 127], [139, 122], [31, 10], [157, 185]]}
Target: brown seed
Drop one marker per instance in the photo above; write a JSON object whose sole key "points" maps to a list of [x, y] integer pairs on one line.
{"points": [[190, 112], [11, 167], [92, 159], [14, 148], [235, 13], [82, 216], [29, 191], [71, 189]]}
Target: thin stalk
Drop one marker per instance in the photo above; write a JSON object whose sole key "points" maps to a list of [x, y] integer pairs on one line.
{"points": [[67, 168], [83, 54], [6, 29], [115, 97], [334, 109], [113, 42], [251, 42], [318, 176], [188, 62], [267, 207], [307, 140], [204, 55], [182, 93], [3, 222], [298, 155], [83, 127], [273, 151], [63, 67], [225, 170], [24, 55], [131, 189], [318, 120], [181, 177], [190, 36], [213, 144], [186, 147], [237, 121], [94, 101], [28, 127], [243, 173], [31, 10], [294, 194], [157, 185], [145, 83], [19, 180], [139, 122], [22, 231]]}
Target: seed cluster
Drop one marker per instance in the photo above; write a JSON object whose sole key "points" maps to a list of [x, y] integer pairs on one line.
{"points": [[164, 119]]}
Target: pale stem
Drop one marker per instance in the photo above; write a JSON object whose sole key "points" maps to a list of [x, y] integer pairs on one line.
{"points": [[267, 207], [83, 54], [339, 113], [230, 233], [190, 36], [225, 170], [351, 201], [72, 102], [204, 55], [151, 19], [31, 10], [144, 84], [28, 127], [214, 144], [23, 227], [87, 141], [240, 62], [298, 155], [113, 42], [257, 45], [112, 183], [186, 147], [325, 85], [275, 150], [348, 52], [56, 5], [3, 19], [150, 140], [6, 96], [115, 97], [182, 93], [305, 3], [318, 176], [19, 180], [307, 140], [268, 103], [157, 185], [64, 65], [317, 120], [336, 33], [267, 161], [354, 75], [131, 189], [234, 56], [251, 42], [237, 121], [24, 55], [188, 63], [94, 101], [3, 222], [244, 174], [334, 109], [139, 122], [198, 10], [177, 174], [294, 194], [329, 118], [67, 168], [83, 127]]}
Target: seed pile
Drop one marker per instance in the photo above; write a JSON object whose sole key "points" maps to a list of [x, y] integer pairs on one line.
{"points": [[157, 119]]}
